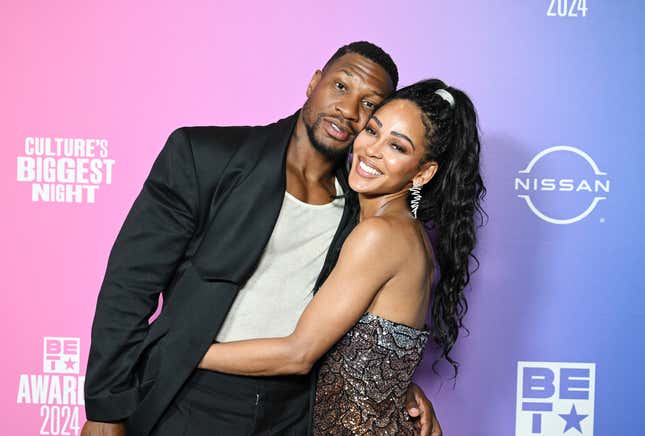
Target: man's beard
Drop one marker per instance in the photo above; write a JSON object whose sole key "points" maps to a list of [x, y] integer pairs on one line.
{"points": [[334, 154]]}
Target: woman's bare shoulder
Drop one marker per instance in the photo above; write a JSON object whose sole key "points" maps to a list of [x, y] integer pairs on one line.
{"points": [[380, 235]]}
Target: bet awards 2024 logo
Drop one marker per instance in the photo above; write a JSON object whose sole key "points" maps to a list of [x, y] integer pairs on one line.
{"points": [[555, 399], [65, 170], [562, 185], [58, 390]]}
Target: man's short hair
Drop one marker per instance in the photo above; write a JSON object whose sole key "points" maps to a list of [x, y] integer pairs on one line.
{"points": [[372, 52]]}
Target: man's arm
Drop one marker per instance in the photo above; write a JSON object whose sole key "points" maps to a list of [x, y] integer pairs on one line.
{"points": [[144, 257], [422, 412], [92, 428]]}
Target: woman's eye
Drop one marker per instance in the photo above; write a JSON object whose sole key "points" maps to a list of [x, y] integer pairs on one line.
{"points": [[369, 130], [340, 86], [397, 147]]}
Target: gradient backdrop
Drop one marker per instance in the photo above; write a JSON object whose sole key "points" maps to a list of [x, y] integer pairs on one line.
{"points": [[549, 295]]}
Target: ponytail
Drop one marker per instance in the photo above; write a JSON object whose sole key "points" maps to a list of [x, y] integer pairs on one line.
{"points": [[450, 201]]}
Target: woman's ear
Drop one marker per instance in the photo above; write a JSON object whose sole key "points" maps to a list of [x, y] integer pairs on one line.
{"points": [[426, 173]]}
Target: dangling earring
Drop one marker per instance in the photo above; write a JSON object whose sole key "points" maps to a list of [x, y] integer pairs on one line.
{"points": [[415, 192]]}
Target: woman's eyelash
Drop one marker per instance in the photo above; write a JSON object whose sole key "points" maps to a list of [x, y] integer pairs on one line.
{"points": [[398, 147]]}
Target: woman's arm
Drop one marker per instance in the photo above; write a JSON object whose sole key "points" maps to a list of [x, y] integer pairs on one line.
{"points": [[365, 264]]}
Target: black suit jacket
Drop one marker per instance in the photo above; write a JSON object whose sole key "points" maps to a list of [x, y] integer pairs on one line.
{"points": [[196, 233]]}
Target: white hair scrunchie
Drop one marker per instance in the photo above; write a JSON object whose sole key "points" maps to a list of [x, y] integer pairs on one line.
{"points": [[446, 96]]}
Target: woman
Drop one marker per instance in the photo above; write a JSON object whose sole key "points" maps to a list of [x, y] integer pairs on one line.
{"points": [[368, 317]]}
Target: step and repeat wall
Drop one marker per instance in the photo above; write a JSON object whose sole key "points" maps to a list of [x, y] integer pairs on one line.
{"points": [[91, 90]]}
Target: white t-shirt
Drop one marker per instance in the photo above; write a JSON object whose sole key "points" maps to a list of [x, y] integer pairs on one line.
{"points": [[274, 297]]}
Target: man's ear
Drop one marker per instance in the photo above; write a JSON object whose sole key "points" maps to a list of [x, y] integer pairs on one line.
{"points": [[315, 79]]}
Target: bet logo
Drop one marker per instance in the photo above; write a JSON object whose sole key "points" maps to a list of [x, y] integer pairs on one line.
{"points": [[555, 398], [61, 355]]}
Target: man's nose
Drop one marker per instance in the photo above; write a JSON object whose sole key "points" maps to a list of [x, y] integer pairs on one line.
{"points": [[348, 109]]}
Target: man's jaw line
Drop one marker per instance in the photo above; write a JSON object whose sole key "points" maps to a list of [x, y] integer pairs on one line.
{"points": [[304, 154], [333, 155]]}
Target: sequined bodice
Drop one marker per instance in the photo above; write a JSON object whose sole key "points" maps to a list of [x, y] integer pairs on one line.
{"points": [[363, 379]]}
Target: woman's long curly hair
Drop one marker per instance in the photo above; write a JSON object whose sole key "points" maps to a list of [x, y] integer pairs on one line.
{"points": [[450, 201]]}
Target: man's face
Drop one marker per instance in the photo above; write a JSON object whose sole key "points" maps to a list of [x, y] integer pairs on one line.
{"points": [[340, 100]]}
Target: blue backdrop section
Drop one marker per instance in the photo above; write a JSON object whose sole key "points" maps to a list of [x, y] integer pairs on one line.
{"points": [[549, 292]]}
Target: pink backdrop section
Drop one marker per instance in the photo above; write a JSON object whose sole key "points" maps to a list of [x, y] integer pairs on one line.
{"points": [[131, 73]]}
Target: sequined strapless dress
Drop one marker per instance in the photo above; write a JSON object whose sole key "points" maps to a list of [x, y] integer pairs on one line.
{"points": [[363, 380]]}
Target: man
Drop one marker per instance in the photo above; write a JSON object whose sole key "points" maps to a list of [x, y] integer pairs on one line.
{"points": [[212, 229]]}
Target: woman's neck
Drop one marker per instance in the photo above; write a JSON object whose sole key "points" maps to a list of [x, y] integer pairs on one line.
{"points": [[382, 204]]}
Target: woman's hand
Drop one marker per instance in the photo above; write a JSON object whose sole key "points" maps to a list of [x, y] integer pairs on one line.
{"points": [[202, 363]]}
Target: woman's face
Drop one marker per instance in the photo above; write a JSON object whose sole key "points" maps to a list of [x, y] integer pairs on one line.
{"points": [[389, 150]]}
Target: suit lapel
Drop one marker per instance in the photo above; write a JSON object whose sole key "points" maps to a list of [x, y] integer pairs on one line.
{"points": [[246, 205]]}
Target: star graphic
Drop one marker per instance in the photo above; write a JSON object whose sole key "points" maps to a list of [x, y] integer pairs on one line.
{"points": [[69, 363], [572, 420]]}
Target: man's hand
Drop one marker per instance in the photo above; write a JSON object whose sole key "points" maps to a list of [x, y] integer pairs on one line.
{"points": [[92, 428], [422, 412]]}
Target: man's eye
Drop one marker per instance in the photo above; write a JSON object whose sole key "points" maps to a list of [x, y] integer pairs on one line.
{"points": [[368, 104], [340, 86]]}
